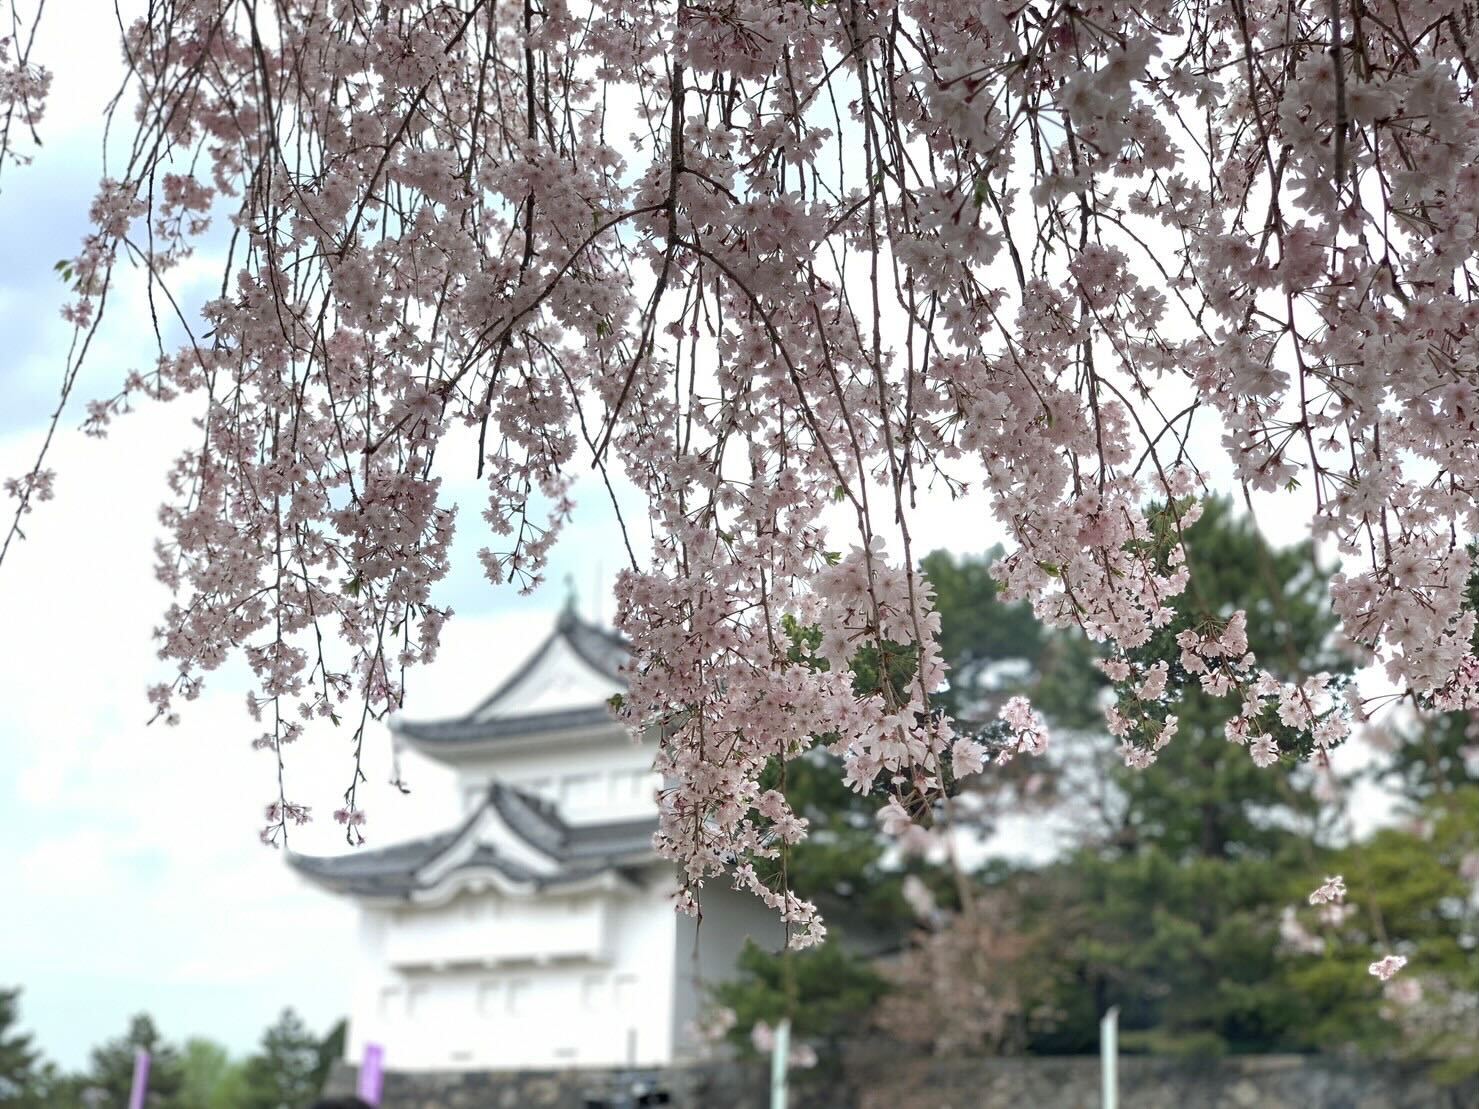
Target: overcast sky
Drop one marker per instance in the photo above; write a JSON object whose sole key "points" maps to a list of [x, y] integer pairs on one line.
{"points": [[131, 874]]}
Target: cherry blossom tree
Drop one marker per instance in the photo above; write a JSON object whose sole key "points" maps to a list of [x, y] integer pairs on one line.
{"points": [[958, 988], [787, 268]]}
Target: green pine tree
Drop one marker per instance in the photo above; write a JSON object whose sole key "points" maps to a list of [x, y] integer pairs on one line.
{"points": [[56, 1089], [284, 1074], [1171, 912], [1412, 892], [19, 1060], [210, 1079], [824, 990], [110, 1077], [330, 1051]]}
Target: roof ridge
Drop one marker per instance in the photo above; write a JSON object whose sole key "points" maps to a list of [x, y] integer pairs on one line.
{"points": [[520, 673], [575, 631], [579, 851], [545, 813]]}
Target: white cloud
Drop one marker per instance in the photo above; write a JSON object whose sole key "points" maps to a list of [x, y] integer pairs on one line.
{"points": [[132, 856]]}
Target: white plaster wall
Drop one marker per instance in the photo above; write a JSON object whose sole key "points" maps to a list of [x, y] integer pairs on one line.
{"points": [[705, 953], [371, 977], [520, 1012], [561, 680], [487, 927], [592, 780]]}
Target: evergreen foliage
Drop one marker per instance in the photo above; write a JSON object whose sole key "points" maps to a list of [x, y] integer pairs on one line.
{"points": [[1172, 911], [826, 992], [19, 1060], [110, 1075], [212, 1080], [288, 1072], [285, 1073], [1418, 894]]}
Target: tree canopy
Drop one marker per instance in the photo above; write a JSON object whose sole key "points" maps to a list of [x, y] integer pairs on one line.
{"points": [[791, 270], [19, 1060], [112, 1066], [1183, 899], [288, 1071]]}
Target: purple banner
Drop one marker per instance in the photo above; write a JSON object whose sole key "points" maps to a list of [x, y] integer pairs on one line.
{"points": [[141, 1080], [372, 1074]]}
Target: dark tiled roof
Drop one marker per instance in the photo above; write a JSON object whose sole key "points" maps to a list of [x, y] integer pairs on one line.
{"points": [[579, 852], [467, 729], [603, 651], [601, 648], [389, 872], [538, 823]]}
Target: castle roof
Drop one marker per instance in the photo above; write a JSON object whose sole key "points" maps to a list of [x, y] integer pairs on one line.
{"points": [[512, 839], [565, 686]]}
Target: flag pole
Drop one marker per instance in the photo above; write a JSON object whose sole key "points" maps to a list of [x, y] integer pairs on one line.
{"points": [[1109, 1059], [778, 1059]]}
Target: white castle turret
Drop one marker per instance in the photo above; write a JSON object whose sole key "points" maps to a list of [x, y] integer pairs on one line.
{"points": [[540, 931]]}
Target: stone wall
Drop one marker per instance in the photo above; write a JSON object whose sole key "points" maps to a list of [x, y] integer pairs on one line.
{"points": [[879, 1079]]}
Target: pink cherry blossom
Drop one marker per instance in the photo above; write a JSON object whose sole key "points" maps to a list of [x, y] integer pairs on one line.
{"points": [[1293, 936], [1331, 891], [967, 757], [787, 271], [1388, 965]]}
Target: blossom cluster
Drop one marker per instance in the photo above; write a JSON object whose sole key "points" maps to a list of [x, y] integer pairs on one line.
{"points": [[1214, 656], [23, 88], [1387, 966], [1329, 898], [786, 268]]}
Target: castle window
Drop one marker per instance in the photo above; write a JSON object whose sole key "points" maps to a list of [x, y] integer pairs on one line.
{"points": [[581, 791], [624, 992], [593, 992], [518, 996], [490, 996], [415, 999], [632, 785]]}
